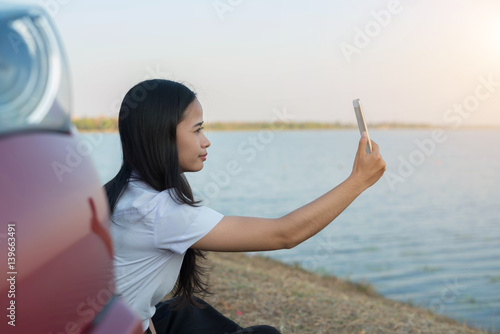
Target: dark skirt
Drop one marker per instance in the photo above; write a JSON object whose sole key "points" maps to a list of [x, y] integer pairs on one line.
{"points": [[204, 320]]}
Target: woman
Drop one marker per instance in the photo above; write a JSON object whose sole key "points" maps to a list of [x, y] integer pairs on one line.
{"points": [[159, 231]]}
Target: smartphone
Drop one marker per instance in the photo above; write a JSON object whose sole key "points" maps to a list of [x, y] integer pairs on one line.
{"points": [[361, 123]]}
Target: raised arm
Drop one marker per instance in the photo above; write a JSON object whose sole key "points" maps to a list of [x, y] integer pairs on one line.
{"points": [[244, 234]]}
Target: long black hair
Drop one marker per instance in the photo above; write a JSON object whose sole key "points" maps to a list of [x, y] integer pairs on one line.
{"points": [[147, 122]]}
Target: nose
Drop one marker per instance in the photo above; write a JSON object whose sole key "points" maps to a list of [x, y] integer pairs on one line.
{"points": [[205, 142]]}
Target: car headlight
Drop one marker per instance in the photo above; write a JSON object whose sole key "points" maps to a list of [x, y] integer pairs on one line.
{"points": [[34, 83]]}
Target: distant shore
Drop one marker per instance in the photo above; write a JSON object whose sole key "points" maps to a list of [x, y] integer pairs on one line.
{"points": [[254, 290], [102, 124]]}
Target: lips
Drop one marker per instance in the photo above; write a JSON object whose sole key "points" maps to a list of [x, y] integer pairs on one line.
{"points": [[204, 156]]}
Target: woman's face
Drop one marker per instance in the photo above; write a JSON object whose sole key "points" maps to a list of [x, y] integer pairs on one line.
{"points": [[191, 142]]}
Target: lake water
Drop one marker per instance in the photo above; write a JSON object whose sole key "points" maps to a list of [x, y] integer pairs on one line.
{"points": [[428, 232]]}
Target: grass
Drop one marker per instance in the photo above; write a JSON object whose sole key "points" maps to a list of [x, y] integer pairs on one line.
{"points": [[254, 290]]}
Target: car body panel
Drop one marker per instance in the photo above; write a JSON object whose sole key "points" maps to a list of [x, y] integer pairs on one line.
{"points": [[63, 257], [56, 252]]}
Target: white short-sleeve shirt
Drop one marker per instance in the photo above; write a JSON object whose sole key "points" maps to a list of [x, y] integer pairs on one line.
{"points": [[151, 233]]}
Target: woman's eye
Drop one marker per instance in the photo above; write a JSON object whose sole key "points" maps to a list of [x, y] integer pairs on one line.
{"points": [[201, 128]]}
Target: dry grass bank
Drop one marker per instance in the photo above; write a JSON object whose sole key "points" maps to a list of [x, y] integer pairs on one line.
{"points": [[257, 290]]}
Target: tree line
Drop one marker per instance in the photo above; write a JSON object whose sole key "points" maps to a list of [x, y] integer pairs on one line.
{"points": [[110, 124]]}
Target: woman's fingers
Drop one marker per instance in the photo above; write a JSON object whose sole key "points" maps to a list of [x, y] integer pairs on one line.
{"points": [[368, 167], [362, 143]]}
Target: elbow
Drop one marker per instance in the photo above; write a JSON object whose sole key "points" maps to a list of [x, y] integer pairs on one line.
{"points": [[290, 241], [287, 238], [289, 244]]}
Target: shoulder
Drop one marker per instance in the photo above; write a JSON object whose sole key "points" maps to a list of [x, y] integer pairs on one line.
{"points": [[140, 197]]}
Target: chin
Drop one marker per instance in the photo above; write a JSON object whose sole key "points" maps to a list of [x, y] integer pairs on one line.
{"points": [[193, 169]]}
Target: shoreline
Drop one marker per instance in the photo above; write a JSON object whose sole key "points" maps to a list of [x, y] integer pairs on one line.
{"points": [[102, 124], [254, 290]]}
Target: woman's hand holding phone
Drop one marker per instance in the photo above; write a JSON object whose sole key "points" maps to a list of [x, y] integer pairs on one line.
{"points": [[368, 165]]}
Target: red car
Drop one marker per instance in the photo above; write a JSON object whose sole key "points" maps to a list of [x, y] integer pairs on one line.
{"points": [[55, 249]]}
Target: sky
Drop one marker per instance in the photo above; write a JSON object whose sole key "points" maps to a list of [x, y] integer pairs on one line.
{"points": [[433, 62]]}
